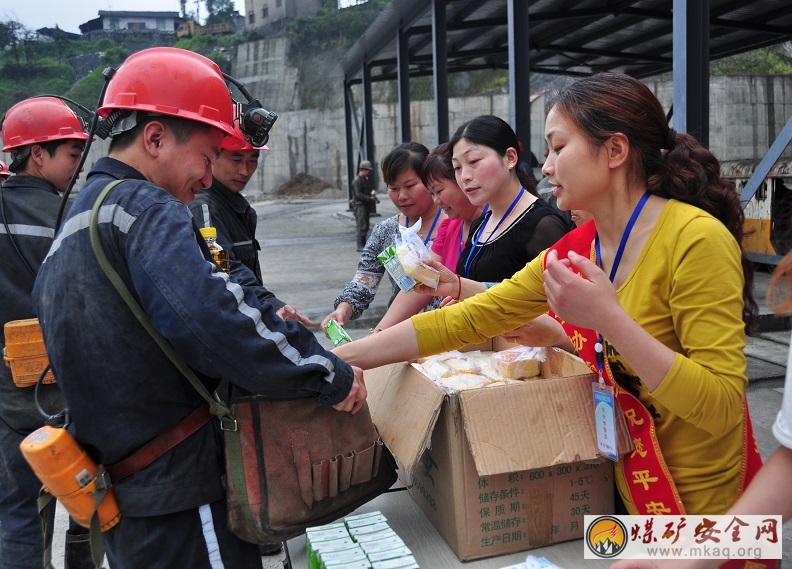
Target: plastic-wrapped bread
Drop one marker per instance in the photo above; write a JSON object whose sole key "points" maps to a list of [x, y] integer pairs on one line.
{"points": [[521, 362], [434, 369], [443, 356], [460, 362], [414, 267], [461, 382], [484, 367], [474, 380], [460, 365]]}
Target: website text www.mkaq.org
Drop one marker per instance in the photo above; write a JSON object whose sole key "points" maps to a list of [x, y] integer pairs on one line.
{"points": [[683, 537], [704, 552]]}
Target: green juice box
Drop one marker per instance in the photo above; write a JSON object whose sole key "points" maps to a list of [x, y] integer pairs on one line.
{"points": [[316, 535], [372, 528], [397, 563], [364, 519], [391, 262], [382, 555], [327, 545], [359, 564], [341, 555], [388, 542], [336, 333]]}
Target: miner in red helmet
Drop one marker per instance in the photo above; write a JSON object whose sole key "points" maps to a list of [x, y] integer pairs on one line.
{"points": [[169, 111], [223, 207], [45, 139]]}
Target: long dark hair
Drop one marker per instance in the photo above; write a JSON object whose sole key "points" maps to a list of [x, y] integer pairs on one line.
{"points": [[493, 132], [403, 157], [671, 164]]}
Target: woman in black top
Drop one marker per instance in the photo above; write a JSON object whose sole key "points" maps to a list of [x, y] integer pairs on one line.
{"points": [[517, 225], [533, 231]]}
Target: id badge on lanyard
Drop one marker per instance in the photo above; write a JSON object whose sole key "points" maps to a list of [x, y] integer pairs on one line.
{"points": [[605, 420], [604, 398]]}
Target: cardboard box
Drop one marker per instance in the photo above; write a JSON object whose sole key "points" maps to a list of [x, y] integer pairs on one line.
{"points": [[499, 469]]}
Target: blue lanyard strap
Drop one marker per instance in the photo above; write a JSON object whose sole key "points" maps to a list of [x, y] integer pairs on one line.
{"points": [[625, 236], [474, 249], [599, 347], [434, 223], [462, 240]]}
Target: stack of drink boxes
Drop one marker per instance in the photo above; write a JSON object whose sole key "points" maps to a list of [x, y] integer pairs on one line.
{"points": [[363, 541]]}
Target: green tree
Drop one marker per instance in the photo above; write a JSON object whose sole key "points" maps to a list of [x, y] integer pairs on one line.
{"points": [[763, 61], [11, 35], [61, 43], [7, 34], [219, 11], [335, 27]]}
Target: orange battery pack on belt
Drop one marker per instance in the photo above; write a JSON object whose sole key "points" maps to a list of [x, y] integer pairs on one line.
{"points": [[69, 474], [25, 353]]}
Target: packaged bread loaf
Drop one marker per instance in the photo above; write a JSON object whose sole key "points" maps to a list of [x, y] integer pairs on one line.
{"points": [[414, 267], [520, 362], [412, 251], [453, 371], [462, 382], [436, 369], [460, 365]]}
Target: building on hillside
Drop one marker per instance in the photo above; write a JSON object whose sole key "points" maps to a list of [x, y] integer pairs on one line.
{"points": [[110, 21], [52, 33], [259, 13]]}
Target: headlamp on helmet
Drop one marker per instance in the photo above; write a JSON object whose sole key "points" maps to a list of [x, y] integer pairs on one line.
{"points": [[163, 80], [167, 81], [256, 122]]}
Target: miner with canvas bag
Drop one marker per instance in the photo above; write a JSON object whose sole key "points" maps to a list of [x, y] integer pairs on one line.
{"points": [[127, 397]]}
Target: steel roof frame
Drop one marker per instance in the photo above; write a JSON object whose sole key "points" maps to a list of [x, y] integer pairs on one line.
{"points": [[643, 38]]}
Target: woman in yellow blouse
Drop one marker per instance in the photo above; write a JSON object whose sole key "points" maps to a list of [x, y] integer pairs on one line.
{"points": [[665, 293]]}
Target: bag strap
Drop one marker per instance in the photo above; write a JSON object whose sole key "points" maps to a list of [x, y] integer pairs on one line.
{"points": [[217, 408], [160, 444], [46, 511]]}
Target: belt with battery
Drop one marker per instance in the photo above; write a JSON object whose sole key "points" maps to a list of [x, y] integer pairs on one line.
{"points": [[160, 444]]}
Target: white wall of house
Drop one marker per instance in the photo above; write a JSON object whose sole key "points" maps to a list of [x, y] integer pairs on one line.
{"points": [[138, 22]]}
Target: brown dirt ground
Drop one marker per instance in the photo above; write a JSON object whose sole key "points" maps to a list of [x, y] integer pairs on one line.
{"points": [[303, 186]]}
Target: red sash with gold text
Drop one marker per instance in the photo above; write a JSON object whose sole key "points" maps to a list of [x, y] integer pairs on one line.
{"points": [[643, 475]]}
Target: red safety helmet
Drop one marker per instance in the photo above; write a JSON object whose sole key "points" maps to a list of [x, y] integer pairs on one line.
{"points": [[173, 82], [239, 141], [38, 120], [5, 173]]}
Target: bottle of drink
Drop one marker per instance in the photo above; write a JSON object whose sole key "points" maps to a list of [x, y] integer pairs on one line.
{"points": [[218, 253]]}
